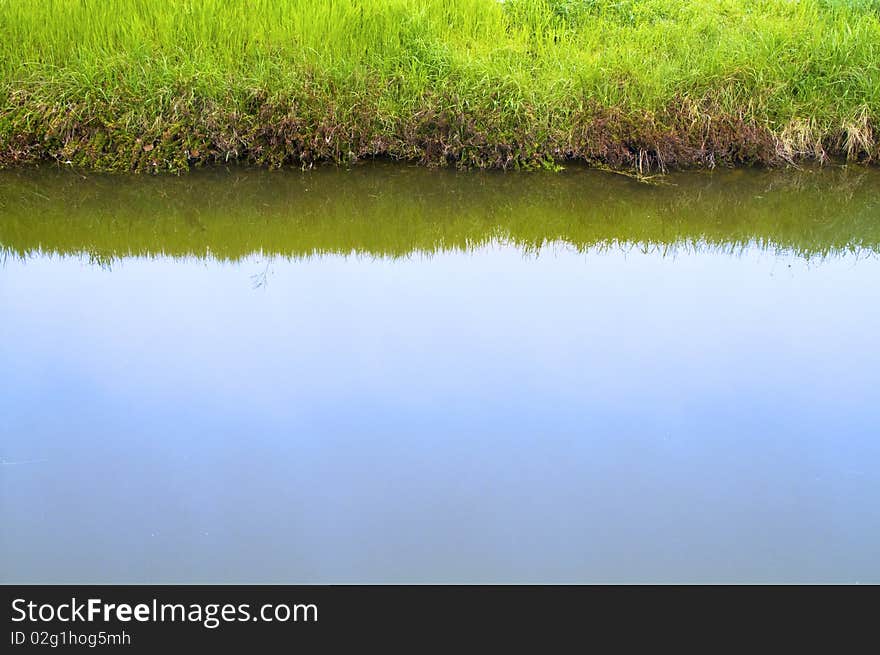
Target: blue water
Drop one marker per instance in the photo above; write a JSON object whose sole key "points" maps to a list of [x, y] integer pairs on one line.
{"points": [[480, 416]]}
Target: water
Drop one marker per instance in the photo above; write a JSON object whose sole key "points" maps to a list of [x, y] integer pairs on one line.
{"points": [[398, 375]]}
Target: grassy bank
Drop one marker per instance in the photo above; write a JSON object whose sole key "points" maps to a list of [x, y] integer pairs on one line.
{"points": [[642, 85]]}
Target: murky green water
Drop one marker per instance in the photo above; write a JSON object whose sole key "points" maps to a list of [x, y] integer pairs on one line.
{"points": [[392, 374]]}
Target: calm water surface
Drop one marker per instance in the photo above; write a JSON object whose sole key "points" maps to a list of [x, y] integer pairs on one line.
{"points": [[397, 375]]}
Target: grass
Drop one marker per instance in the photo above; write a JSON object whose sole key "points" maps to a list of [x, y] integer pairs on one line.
{"points": [[641, 85]]}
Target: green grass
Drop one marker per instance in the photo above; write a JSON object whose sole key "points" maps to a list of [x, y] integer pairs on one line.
{"points": [[161, 85]]}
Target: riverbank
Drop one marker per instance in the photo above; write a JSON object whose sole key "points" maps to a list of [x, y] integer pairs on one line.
{"points": [[637, 85]]}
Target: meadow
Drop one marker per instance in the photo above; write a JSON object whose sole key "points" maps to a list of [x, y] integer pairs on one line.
{"points": [[636, 85]]}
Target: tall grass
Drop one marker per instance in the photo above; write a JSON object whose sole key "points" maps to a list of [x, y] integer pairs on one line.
{"points": [[163, 84]]}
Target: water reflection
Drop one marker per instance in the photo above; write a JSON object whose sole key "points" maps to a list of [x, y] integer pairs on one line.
{"points": [[439, 407], [394, 211]]}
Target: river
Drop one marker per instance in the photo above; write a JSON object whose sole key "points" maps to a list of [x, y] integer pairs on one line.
{"points": [[393, 374]]}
